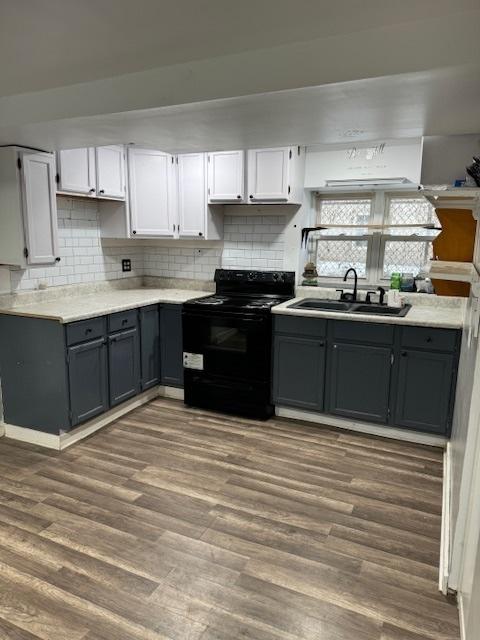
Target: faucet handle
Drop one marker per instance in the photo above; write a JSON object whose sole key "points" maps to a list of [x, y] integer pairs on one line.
{"points": [[340, 291], [367, 297]]}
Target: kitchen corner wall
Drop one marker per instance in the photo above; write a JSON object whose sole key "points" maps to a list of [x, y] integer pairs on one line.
{"points": [[254, 238]]}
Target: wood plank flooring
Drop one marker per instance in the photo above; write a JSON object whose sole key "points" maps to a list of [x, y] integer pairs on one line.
{"points": [[179, 524]]}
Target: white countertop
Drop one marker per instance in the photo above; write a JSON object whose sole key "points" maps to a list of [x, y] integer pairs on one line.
{"points": [[72, 308], [423, 315]]}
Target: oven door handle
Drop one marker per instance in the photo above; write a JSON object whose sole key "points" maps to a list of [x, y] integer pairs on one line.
{"points": [[238, 317]]}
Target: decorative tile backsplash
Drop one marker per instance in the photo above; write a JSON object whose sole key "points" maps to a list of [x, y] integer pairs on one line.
{"points": [[253, 241]]}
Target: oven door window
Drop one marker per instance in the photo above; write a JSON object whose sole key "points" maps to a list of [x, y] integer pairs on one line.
{"points": [[230, 345]]}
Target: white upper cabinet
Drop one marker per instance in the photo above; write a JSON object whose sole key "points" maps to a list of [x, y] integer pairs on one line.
{"points": [[192, 194], [110, 172], [76, 171], [96, 172], [226, 182], [268, 174], [39, 207], [276, 175], [28, 211], [152, 192]]}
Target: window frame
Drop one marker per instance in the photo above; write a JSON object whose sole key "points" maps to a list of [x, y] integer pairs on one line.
{"points": [[376, 241]]}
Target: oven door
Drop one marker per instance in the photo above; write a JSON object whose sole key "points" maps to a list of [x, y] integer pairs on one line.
{"points": [[231, 345]]}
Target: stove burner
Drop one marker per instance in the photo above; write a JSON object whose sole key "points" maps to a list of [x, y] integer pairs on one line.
{"points": [[212, 300]]}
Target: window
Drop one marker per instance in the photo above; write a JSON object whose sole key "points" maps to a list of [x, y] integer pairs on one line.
{"points": [[361, 235]]}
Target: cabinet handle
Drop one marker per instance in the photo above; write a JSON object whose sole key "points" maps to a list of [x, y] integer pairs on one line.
{"points": [[88, 331], [125, 321], [404, 354], [321, 344], [429, 339]]}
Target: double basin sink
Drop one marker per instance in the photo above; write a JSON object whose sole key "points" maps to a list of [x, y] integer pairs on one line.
{"points": [[317, 304]]}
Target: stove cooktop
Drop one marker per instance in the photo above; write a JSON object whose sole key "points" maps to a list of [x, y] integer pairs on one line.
{"points": [[238, 303]]}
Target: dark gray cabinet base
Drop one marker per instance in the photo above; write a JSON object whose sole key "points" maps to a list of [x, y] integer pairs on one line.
{"points": [[123, 366], [88, 380], [380, 373], [171, 351]]}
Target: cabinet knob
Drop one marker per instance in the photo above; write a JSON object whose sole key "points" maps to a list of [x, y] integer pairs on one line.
{"points": [[88, 331], [240, 197], [429, 339], [404, 354], [57, 259], [251, 197], [200, 233], [102, 191], [92, 191], [134, 232], [321, 344]]}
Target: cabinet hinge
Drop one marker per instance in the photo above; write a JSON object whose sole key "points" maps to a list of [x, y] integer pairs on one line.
{"points": [[57, 178], [208, 190], [25, 252], [208, 158], [173, 160], [288, 188], [290, 154], [19, 163], [176, 159], [392, 358], [298, 150]]}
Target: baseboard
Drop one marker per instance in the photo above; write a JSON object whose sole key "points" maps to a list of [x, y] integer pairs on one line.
{"points": [[444, 567], [461, 617], [64, 440], [362, 427], [2, 429]]}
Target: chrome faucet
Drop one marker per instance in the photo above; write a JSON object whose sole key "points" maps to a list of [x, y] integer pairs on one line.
{"points": [[351, 297]]}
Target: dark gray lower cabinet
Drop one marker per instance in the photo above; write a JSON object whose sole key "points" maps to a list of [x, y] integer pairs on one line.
{"points": [[171, 351], [299, 372], [359, 381], [87, 376], [398, 376], [123, 365], [149, 346], [424, 390]]}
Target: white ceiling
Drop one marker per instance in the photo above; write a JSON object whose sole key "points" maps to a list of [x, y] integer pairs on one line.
{"points": [[428, 103], [52, 43], [217, 74]]}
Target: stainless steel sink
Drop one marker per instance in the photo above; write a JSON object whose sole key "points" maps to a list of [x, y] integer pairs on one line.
{"points": [[321, 305], [378, 310], [317, 304]]}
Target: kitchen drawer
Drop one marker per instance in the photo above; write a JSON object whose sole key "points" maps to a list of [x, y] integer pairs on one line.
{"points": [[122, 320], [432, 339], [362, 332], [85, 330], [300, 326]]}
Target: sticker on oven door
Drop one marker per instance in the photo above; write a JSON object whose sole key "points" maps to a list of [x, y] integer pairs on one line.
{"points": [[193, 360]]}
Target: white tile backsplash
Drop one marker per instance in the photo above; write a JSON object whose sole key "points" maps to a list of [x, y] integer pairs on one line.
{"points": [[251, 241], [83, 256], [254, 241]]}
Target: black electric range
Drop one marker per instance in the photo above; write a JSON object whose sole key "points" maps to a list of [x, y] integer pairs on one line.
{"points": [[227, 342]]}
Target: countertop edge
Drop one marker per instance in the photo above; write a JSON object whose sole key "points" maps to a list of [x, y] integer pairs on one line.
{"points": [[359, 317]]}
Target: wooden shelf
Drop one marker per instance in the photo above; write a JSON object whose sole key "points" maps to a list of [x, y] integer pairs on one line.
{"points": [[455, 271], [454, 198]]}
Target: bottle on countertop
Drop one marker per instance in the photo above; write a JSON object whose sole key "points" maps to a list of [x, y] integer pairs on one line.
{"points": [[395, 280]]}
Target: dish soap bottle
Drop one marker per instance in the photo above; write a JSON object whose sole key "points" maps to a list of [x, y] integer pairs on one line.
{"points": [[396, 280]]}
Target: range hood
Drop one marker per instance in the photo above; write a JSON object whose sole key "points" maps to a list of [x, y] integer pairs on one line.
{"points": [[387, 164]]}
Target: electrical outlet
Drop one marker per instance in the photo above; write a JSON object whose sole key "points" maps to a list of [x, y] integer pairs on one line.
{"points": [[126, 264]]}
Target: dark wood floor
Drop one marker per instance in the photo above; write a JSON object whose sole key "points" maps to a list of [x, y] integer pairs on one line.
{"points": [[180, 524]]}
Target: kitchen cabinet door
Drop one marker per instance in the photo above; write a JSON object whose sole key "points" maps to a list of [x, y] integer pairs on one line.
{"points": [[152, 192], [424, 390], [226, 176], [110, 172], [39, 207], [298, 372], [149, 346], [192, 194], [76, 171], [359, 381], [268, 175], [171, 341], [87, 374], [123, 365]]}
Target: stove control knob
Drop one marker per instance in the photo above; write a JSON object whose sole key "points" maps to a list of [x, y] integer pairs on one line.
{"points": [[275, 276], [252, 275]]}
